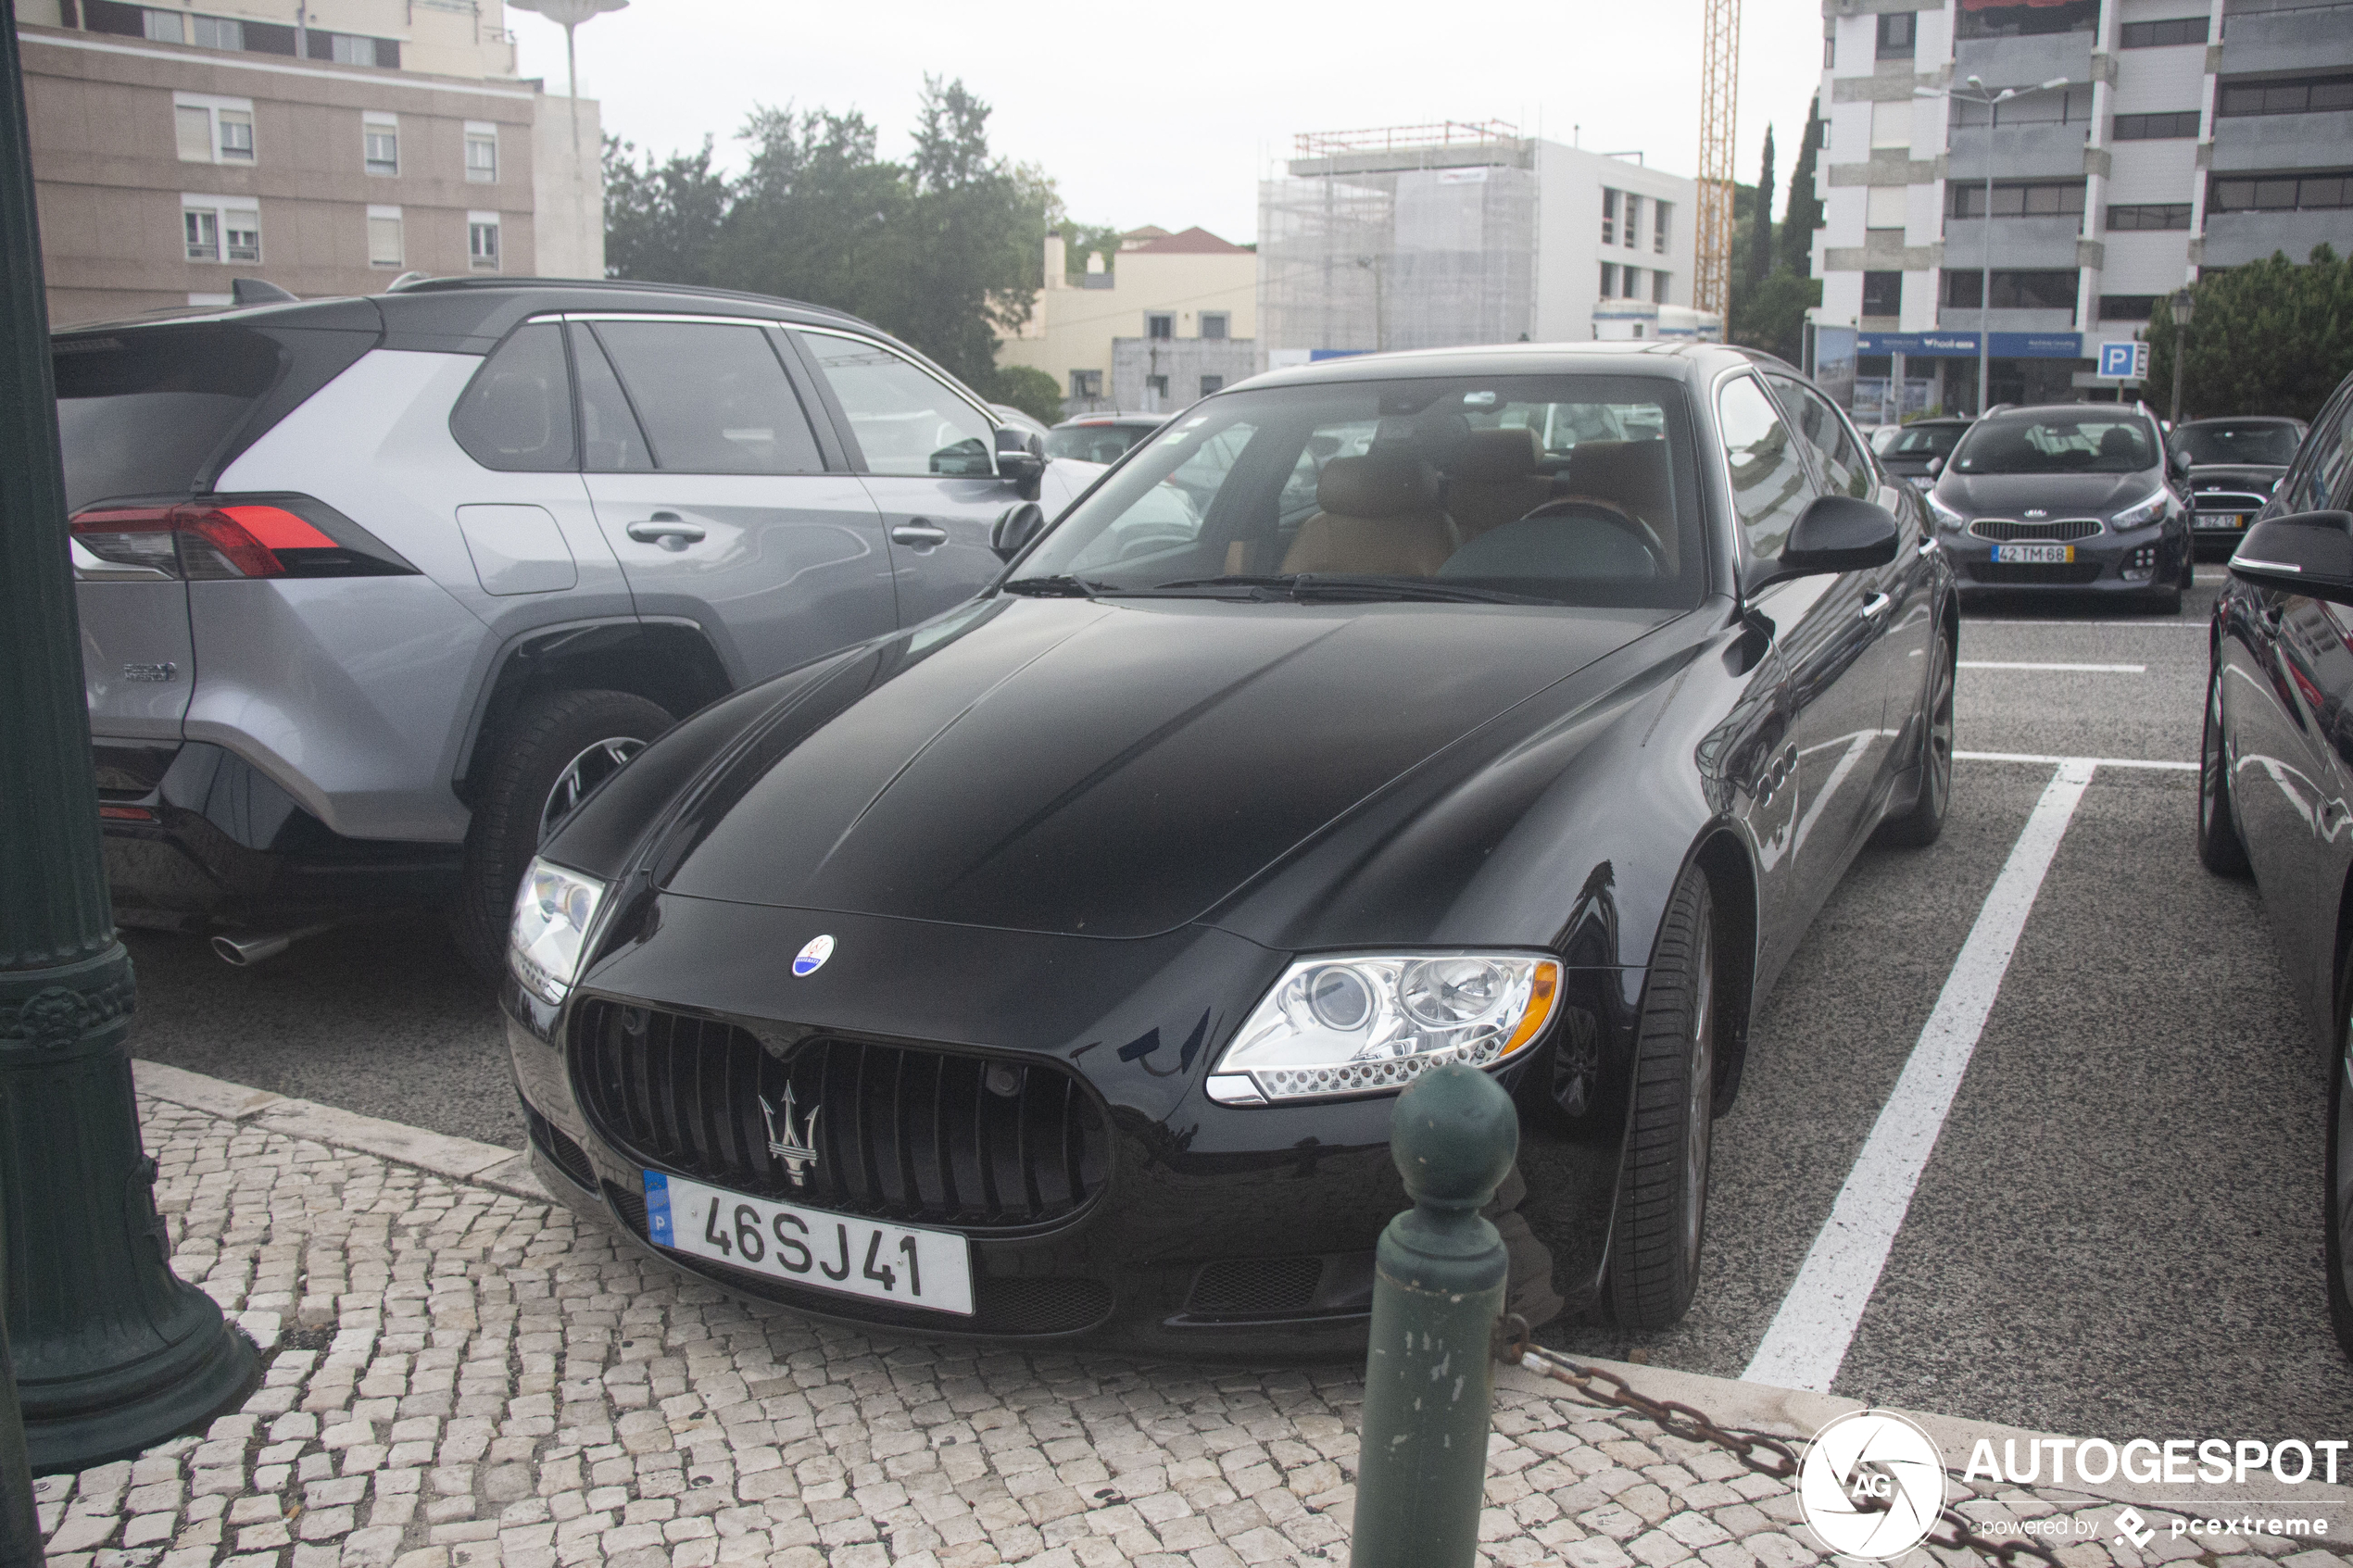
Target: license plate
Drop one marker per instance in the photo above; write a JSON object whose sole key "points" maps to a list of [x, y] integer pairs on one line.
{"points": [[834, 1252], [2221, 519], [2035, 555]]}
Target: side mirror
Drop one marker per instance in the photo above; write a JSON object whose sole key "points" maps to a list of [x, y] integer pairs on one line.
{"points": [[1935, 467], [1015, 527], [2179, 461], [2308, 553], [1021, 458], [1835, 534]]}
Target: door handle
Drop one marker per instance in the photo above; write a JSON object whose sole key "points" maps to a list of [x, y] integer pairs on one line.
{"points": [[1874, 605], [920, 532], [667, 530]]}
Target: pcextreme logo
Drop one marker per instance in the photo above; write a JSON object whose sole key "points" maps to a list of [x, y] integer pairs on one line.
{"points": [[1871, 1485]]}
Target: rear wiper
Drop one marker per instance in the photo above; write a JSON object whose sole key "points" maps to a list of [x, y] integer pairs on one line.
{"points": [[1307, 585], [1054, 587]]}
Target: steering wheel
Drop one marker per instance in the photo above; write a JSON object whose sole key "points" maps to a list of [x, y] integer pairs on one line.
{"points": [[1612, 513]]}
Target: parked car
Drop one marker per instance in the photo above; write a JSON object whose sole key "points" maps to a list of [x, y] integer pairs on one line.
{"points": [[372, 591], [2074, 497], [1101, 438], [1917, 451], [2233, 465], [1047, 970], [2275, 773]]}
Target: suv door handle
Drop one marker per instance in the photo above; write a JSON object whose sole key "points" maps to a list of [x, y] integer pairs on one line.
{"points": [[921, 532], [667, 530], [1874, 605]]}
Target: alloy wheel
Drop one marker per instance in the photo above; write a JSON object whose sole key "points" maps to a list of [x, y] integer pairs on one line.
{"points": [[596, 762], [1939, 779], [1698, 1111], [2210, 762]]}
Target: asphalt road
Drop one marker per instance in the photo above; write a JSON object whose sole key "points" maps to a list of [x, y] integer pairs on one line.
{"points": [[2116, 1232]]}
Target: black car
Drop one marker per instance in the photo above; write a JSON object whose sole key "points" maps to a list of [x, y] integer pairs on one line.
{"points": [[1916, 452], [1051, 968], [2275, 776], [2079, 497], [2233, 465]]}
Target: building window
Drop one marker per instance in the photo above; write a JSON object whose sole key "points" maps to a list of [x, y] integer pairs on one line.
{"points": [[1609, 280], [1634, 283], [212, 130], [2052, 290], [2156, 215], [2176, 125], [2303, 94], [1658, 225], [2028, 20], [1158, 326], [1609, 219], [1658, 288], [2019, 199], [482, 240], [380, 137], [1214, 324], [2127, 307], [2309, 193], [1898, 31], [1829, 47], [1156, 386], [1883, 293], [195, 130], [214, 231], [236, 135], [1212, 384], [2157, 36], [216, 33], [481, 153], [1086, 386], [1633, 221], [383, 237], [1892, 123]]}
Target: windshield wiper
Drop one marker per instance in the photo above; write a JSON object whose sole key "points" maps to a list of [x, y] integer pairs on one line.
{"points": [[1054, 587], [1304, 586]]}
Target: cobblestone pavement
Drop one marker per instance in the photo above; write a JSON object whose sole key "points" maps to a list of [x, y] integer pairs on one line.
{"points": [[460, 1377]]}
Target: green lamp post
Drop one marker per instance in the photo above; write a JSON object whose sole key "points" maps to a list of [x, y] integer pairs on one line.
{"points": [[112, 1351]]}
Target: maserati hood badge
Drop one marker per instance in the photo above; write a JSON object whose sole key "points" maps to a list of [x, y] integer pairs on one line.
{"points": [[798, 1145], [811, 959]]}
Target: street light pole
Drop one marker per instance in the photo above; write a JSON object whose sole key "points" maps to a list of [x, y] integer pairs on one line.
{"points": [[112, 1352], [2183, 304]]}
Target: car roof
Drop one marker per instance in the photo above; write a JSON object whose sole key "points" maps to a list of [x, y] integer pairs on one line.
{"points": [[1675, 357], [1098, 421], [2241, 419]]}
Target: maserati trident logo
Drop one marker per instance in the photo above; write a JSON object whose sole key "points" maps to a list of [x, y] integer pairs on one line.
{"points": [[796, 1147], [811, 959]]}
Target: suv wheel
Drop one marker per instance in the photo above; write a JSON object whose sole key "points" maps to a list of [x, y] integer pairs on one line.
{"points": [[554, 751]]}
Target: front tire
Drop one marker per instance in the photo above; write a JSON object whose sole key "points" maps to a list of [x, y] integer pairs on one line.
{"points": [[1662, 1191], [2338, 1209], [1919, 828], [557, 749], [2220, 847]]}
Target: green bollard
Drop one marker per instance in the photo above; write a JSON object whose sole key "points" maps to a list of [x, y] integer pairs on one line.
{"points": [[1437, 1292]]}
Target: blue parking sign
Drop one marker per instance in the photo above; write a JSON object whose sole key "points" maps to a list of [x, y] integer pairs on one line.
{"points": [[2124, 361]]}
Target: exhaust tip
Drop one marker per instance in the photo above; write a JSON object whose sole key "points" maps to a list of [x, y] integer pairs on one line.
{"points": [[243, 952]]}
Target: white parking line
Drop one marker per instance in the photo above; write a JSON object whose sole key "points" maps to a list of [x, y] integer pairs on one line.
{"points": [[2084, 669], [2057, 761], [1807, 1340], [2189, 625]]}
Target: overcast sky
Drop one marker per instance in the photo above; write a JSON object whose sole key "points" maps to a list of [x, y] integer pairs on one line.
{"points": [[1169, 115]]}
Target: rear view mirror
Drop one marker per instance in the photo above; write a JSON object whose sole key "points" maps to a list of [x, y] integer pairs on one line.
{"points": [[1014, 528], [2308, 553], [2179, 461], [1021, 458]]}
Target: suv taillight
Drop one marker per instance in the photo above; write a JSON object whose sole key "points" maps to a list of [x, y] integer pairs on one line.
{"points": [[236, 536]]}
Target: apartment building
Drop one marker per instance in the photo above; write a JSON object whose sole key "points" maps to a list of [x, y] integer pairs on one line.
{"points": [[1166, 319], [326, 146], [2186, 135]]}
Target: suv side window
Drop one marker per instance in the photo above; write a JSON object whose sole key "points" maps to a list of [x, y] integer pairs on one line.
{"points": [[2333, 465], [1769, 484], [905, 421], [712, 396], [515, 416], [1844, 467], [611, 439]]}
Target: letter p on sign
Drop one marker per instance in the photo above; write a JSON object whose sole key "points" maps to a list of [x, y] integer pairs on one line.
{"points": [[2124, 361]]}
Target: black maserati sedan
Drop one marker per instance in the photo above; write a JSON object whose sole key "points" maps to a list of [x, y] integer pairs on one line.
{"points": [[2074, 497], [2275, 776], [2234, 463], [1051, 968]]}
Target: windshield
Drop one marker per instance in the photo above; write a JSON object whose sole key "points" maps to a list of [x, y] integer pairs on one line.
{"points": [[2085, 443], [2267, 443], [1923, 441], [1094, 444], [1542, 489]]}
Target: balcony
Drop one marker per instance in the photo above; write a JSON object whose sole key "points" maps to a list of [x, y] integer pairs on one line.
{"points": [[2234, 238], [2040, 149], [2266, 142], [2311, 38], [2021, 243]]}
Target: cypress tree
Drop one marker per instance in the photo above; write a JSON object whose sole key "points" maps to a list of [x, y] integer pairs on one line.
{"points": [[1803, 214], [1760, 249]]}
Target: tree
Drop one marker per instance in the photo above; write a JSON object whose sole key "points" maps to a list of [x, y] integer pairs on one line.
{"points": [[1029, 389], [662, 220], [1804, 213], [1760, 247], [2269, 337]]}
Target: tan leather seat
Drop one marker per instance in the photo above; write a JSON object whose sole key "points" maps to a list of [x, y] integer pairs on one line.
{"points": [[1495, 480], [1633, 477], [1379, 514]]}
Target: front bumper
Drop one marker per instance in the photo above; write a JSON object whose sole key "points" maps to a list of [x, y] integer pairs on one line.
{"points": [[1205, 1229], [2135, 561]]}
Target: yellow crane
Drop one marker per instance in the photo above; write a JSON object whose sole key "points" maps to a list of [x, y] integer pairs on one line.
{"points": [[1719, 100]]}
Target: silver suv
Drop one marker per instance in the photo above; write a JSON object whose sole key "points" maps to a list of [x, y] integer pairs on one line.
{"points": [[373, 590]]}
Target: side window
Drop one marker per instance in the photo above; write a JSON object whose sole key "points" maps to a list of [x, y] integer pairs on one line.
{"points": [[1844, 467], [516, 414], [2333, 460], [610, 438], [712, 398], [906, 421], [1769, 486]]}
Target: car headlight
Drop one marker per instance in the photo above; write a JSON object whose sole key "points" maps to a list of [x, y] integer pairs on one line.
{"points": [[1945, 515], [2142, 513], [1370, 1022], [553, 910]]}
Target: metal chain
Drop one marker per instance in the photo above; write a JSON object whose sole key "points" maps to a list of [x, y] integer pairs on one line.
{"points": [[1765, 1455]]}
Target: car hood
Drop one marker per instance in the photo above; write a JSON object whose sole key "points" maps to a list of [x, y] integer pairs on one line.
{"points": [[1108, 768], [2256, 477], [2060, 494]]}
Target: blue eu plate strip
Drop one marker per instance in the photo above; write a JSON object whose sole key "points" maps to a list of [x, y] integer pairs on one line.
{"points": [[657, 1208]]}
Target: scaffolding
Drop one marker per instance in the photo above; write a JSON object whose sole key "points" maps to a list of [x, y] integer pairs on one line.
{"points": [[1420, 236]]}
